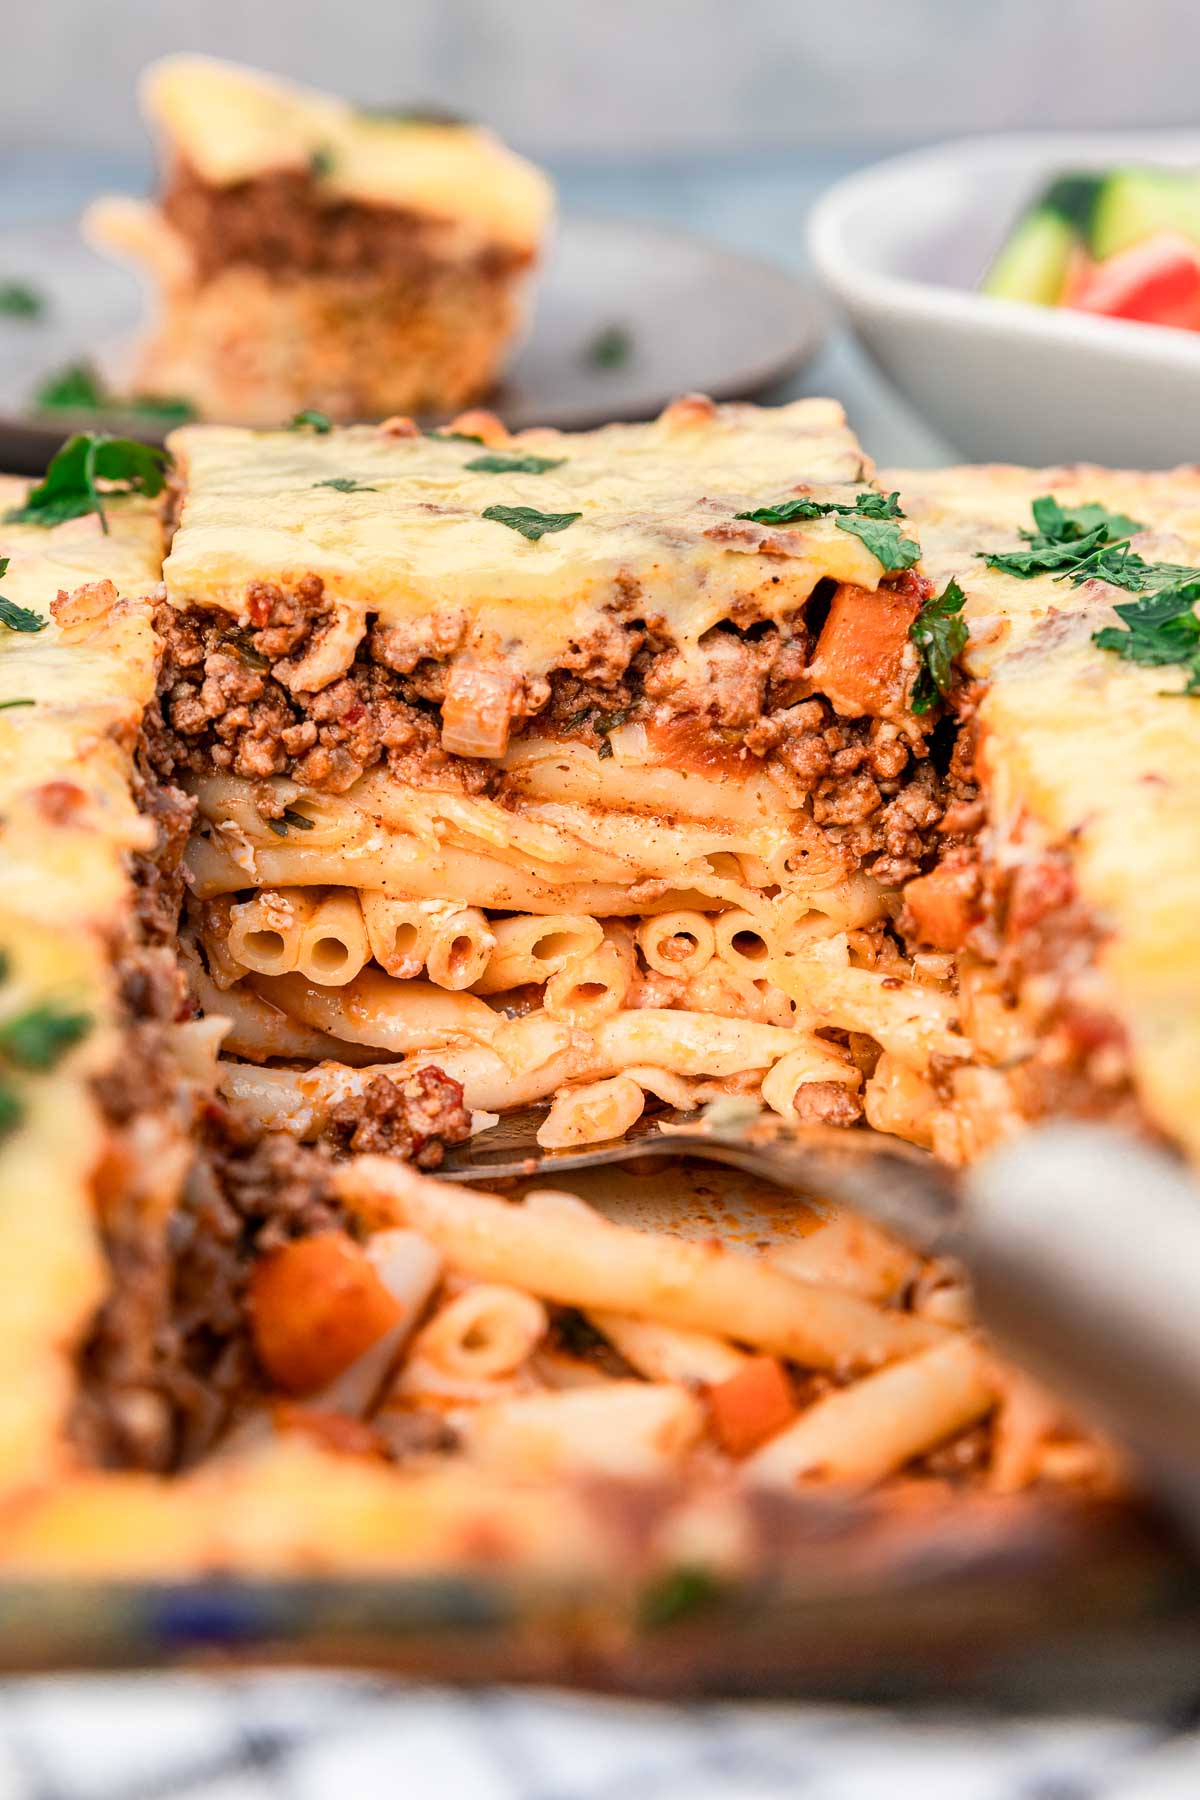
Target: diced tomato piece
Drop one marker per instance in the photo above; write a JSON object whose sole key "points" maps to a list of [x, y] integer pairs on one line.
{"points": [[315, 1306], [1156, 282], [1080, 269], [944, 905], [858, 663], [751, 1406]]}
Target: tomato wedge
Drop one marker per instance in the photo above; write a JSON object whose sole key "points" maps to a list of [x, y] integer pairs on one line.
{"points": [[1156, 282]]}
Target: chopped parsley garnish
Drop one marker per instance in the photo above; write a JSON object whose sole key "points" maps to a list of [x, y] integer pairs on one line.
{"points": [[7, 705], [69, 488], [676, 1595], [496, 463], [940, 634], [1066, 524], [11, 1110], [788, 512], [321, 162], [455, 437], [1161, 628], [40, 1038], [20, 300], [528, 521], [172, 409], [78, 388], [870, 518], [345, 484], [17, 618], [1076, 543], [887, 543], [420, 113], [610, 348], [253, 659], [311, 420], [290, 817]]}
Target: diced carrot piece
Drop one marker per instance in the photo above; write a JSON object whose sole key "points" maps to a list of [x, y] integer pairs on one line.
{"points": [[751, 1406], [858, 664], [315, 1306], [944, 905]]}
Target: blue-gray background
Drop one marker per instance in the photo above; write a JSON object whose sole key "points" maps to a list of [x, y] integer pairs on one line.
{"points": [[612, 79]]}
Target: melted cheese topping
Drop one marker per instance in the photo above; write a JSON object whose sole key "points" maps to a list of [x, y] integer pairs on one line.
{"points": [[657, 532], [232, 124], [1088, 751], [64, 903]]}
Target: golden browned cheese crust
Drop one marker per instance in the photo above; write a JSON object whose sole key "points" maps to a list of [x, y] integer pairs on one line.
{"points": [[654, 533], [1084, 752], [68, 823]]}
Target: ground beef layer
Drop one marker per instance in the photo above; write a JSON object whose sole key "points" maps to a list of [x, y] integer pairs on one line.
{"points": [[287, 223], [880, 786]]}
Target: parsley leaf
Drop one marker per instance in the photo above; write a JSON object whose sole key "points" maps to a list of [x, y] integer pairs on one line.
{"points": [[40, 1038], [311, 420], [455, 437], [253, 659], [77, 388], [1065, 524], [7, 705], [68, 490], [528, 521], [172, 409], [21, 300], [940, 635], [869, 519], [19, 618], [345, 484], [498, 464], [1076, 543], [676, 1594], [291, 817], [610, 348], [321, 162], [419, 114], [11, 1110], [1161, 628], [788, 512], [886, 542]]}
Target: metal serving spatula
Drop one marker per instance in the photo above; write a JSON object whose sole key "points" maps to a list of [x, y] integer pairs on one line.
{"points": [[1083, 1247]]}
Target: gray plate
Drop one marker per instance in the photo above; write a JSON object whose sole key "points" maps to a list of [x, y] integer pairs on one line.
{"points": [[697, 317]]}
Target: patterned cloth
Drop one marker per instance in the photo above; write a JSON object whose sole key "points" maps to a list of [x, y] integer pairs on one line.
{"points": [[322, 1737]]}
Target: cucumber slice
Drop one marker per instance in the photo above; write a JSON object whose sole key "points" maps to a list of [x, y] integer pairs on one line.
{"points": [[1135, 203], [1033, 263], [1073, 198]]}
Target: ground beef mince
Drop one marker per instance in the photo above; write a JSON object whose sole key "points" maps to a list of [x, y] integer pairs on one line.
{"points": [[223, 710], [415, 1117], [826, 1103], [286, 223], [158, 872]]}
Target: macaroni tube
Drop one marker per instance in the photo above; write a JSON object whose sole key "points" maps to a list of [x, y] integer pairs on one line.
{"points": [[333, 944]]}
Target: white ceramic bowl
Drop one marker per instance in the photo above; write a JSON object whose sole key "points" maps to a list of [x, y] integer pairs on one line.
{"points": [[902, 246]]}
